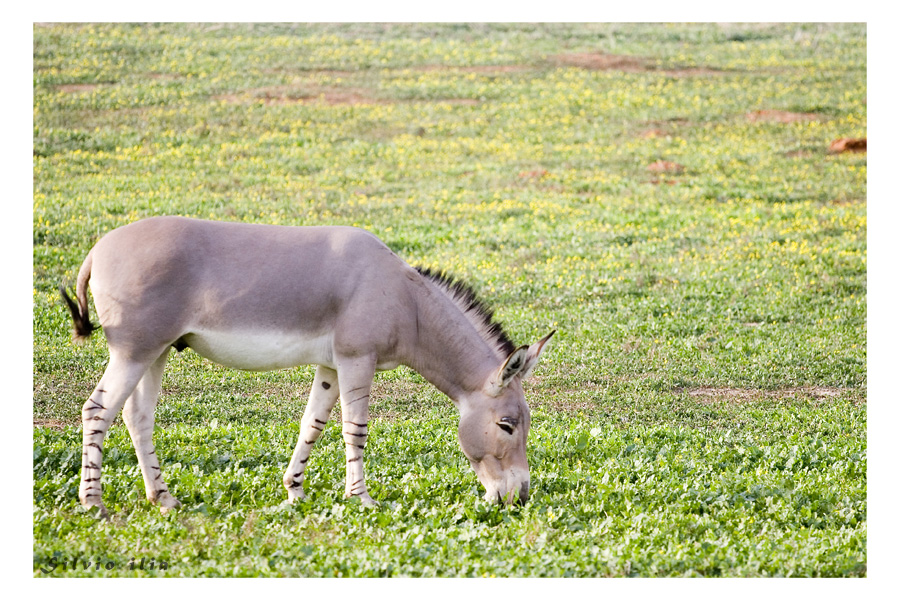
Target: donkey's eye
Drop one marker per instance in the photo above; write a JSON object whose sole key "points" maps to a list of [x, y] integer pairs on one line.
{"points": [[507, 424]]}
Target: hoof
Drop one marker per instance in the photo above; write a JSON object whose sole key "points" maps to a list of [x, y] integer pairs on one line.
{"points": [[364, 498], [295, 494], [166, 502], [98, 506]]}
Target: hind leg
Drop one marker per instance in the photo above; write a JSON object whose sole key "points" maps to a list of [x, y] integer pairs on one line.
{"points": [[118, 381], [139, 417]]}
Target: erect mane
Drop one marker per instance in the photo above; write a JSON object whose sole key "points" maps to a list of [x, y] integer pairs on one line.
{"points": [[476, 311]]}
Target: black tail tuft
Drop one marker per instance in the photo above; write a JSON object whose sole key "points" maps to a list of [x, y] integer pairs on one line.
{"points": [[81, 320]]}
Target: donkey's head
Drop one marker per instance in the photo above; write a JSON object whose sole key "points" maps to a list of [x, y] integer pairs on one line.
{"points": [[493, 427]]}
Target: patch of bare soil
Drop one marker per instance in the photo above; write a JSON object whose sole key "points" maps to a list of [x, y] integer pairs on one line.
{"points": [[799, 154], [163, 76], [847, 145], [553, 394], [710, 395], [52, 388], [598, 61], [77, 88], [848, 201], [486, 69], [780, 116], [461, 101], [309, 72], [292, 95], [395, 400], [665, 166], [692, 72], [663, 128], [652, 133], [50, 423], [661, 168], [281, 95]]}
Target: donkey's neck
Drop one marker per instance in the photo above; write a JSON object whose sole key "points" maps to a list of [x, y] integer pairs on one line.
{"points": [[448, 350]]}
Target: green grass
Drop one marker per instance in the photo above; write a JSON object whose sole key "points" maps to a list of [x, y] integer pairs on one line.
{"points": [[702, 409]]}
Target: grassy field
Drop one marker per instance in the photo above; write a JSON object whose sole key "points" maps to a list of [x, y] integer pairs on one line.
{"points": [[660, 194]]}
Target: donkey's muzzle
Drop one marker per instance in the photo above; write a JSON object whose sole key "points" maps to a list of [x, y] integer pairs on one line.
{"points": [[523, 494], [517, 498]]}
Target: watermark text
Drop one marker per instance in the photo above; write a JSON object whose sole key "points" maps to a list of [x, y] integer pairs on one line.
{"points": [[79, 563]]}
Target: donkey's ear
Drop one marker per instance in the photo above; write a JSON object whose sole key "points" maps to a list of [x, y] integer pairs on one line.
{"points": [[514, 364], [534, 353]]}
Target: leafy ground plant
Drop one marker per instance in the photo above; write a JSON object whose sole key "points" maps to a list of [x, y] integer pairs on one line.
{"points": [[661, 194]]}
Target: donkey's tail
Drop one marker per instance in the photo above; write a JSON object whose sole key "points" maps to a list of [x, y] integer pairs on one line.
{"points": [[80, 317]]}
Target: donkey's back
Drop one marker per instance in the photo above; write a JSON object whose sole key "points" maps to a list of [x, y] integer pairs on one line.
{"points": [[248, 296]]}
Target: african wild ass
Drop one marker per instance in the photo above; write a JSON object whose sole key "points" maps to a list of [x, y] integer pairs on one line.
{"points": [[262, 297]]}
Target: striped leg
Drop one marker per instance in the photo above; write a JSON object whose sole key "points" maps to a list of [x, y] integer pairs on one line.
{"points": [[356, 382], [322, 398], [139, 417], [97, 414]]}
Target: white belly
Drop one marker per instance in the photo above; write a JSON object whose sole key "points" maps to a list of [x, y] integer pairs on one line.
{"points": [[262, 350]]}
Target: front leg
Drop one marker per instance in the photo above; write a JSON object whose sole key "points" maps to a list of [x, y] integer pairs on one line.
{"points": [[355, 377], [322, 398]]}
